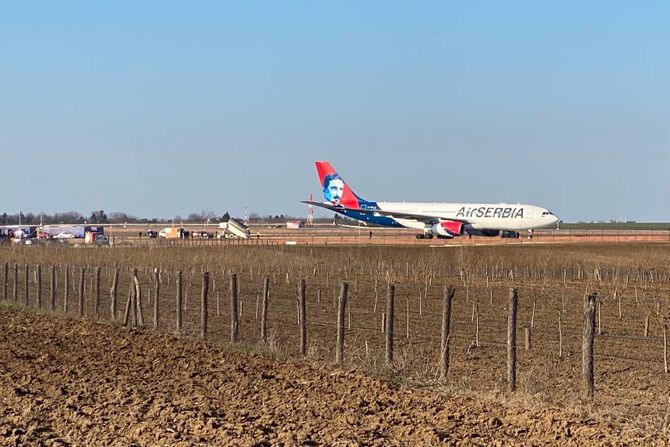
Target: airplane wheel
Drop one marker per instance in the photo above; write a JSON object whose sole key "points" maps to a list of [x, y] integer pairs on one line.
{"points": [[419, 236], [429, 236]]}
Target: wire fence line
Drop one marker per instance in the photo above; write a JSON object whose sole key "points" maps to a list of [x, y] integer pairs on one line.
{"points": [[228, 306]]}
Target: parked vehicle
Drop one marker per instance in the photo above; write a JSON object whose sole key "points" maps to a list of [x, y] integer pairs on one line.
{"points": [[171, 233], [152, 234], [101, 239], [91, 237], [509, 234], [64, 236]]}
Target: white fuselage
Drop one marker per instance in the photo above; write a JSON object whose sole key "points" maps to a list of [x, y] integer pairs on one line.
{"points": [[478, 216]]}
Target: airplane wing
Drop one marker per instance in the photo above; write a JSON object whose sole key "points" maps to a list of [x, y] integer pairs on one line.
{"points": [[394, 214]]}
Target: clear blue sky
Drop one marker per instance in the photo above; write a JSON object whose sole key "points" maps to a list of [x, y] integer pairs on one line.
{"points": [[166, 108]]}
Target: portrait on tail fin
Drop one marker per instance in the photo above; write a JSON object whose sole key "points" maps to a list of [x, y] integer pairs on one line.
{"points": [[333, 188]]}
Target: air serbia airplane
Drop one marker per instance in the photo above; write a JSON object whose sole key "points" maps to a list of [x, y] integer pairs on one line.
{"points": [[444, 220]]}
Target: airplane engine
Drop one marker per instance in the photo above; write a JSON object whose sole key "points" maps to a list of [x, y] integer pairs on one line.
{"points": [[487, 233], [448, 228]]}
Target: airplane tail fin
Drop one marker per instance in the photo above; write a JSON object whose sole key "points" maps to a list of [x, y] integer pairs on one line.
{"points": [[335, 189]]}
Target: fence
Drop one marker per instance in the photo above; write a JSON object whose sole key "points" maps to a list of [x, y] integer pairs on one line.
{"points": [[445, 329]]}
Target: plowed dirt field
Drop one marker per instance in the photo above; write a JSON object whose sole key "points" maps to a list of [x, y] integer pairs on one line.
{"points": [[68, 382]]}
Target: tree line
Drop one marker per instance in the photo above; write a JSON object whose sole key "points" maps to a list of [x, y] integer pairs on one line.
{"points": [[101, 217]]}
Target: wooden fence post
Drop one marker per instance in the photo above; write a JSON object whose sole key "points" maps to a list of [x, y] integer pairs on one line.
{"points": [[264, 311], [96, 293], [179, 303], [133, 302], [26, 301], [203, 305], [297, 308], [302, 300], [139, 313], [52, 301], [157, 289], [511, 340], [234, 316], [449, 293], [588, 346], [82, 278], [15, 290], [389, 324], [339, 351], [129, 303], [38, 280], [66, 292], [5, 271], [113, 293], [600, 319]]}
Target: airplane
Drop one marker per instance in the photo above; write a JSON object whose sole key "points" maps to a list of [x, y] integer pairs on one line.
{"points": [[443, 220]]}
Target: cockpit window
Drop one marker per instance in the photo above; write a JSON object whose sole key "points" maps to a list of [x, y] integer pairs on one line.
{"points": [[547, 213]]}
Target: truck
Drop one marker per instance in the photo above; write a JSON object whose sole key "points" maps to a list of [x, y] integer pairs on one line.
{"points": [[171, 233]]}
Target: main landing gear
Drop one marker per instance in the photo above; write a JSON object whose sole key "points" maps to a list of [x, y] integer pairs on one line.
{"points": [[424, 236]]}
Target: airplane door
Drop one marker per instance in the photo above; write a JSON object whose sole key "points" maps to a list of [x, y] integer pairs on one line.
{"points": [[528, 213]]}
